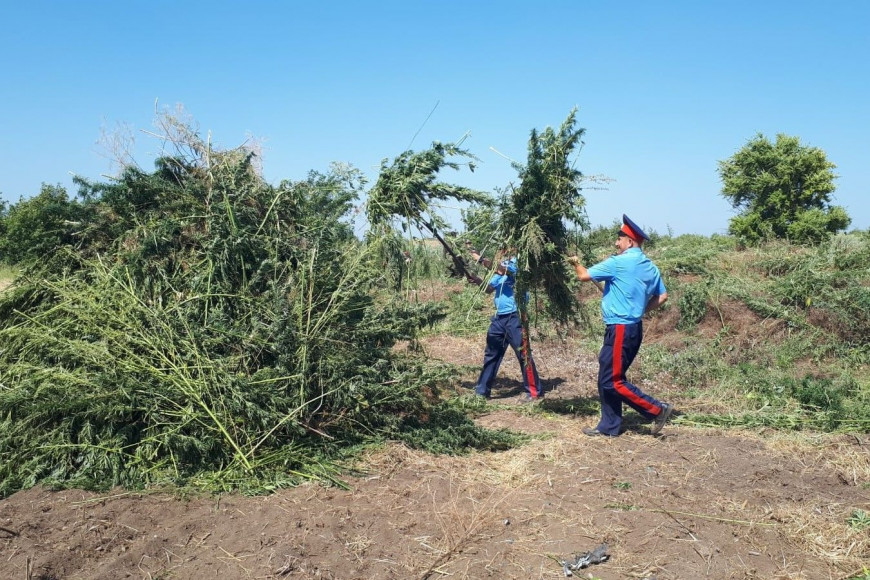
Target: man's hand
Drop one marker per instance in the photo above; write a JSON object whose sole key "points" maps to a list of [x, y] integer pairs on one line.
{"points": [[583, 273]]}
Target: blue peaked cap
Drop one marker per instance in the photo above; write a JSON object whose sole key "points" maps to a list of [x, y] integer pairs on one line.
{"points": [[632, 229]]}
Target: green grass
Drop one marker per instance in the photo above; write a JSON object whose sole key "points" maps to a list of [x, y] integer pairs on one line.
{"points": [[773, 335], [859, 520]]}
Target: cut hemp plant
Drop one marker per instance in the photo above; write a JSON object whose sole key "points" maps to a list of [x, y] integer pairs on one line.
{"points": [[408, 189], [537, 216]]}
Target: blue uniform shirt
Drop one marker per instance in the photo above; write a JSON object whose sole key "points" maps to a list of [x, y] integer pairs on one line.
{"points": [[631, 279], [504, 300]]}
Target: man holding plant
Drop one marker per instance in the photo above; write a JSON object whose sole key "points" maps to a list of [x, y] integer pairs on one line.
{"points": [[632, 287], [505, 329]]}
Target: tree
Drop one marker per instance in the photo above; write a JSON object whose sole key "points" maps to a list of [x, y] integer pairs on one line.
{"points": [[4, 210], [783, 190], [34, 228]]}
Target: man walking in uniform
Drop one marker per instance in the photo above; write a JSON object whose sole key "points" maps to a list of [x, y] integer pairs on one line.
{"points": [[632, 287]]}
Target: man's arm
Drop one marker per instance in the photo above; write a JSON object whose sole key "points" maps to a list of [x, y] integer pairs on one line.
{"points": [[583, 273], [486, 263], [499, 271], [656, 302], [475, 255]]}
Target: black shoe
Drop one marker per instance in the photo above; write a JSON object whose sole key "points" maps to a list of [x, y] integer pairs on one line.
{"points": [[662, 418], [593, 432]]}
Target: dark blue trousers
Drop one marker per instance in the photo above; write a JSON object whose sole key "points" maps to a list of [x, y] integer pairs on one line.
{"points": [[504, 330], [621, 343]]}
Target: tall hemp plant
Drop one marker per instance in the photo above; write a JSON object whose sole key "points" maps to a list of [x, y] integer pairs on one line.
{"points": [[408, 189], [537, 218]]}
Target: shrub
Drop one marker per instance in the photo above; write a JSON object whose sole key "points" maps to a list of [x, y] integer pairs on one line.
{"points": [[36, 227], [692, 305]]}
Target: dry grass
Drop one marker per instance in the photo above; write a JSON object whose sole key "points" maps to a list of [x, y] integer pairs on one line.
{"points": [[723, 503], [823, 531], [817, 528], [843, 454]]}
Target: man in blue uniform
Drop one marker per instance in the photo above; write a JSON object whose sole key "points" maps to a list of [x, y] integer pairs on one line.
{"points": [[632, 287], [505, 329]]}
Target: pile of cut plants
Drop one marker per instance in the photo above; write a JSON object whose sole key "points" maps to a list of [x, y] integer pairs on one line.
{"points": [[207, 329]]}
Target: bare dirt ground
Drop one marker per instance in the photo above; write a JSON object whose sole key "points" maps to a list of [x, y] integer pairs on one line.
{"points": [[690, 503]]}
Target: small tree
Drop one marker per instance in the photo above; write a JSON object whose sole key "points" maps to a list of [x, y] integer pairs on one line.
{"points": [[783, 190], [34, 228]]}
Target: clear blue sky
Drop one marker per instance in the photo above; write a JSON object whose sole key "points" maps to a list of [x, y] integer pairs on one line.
{"points": [[665, 89]]}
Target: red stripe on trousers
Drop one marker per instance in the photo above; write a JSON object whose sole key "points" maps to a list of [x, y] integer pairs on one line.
{"points": [[619, 379], [527, 358]]}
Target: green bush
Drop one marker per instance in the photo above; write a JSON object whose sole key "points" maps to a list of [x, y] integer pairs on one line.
{"points": [[695, 366], [692, 305], [850, 252], [34, 228], [816, 225], [782, 190], [803, 287], [820, 399], [688, 254], [852, 308]]}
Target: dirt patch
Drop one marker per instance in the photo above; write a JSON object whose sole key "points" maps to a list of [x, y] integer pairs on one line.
{"points": [[690, 503]]}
